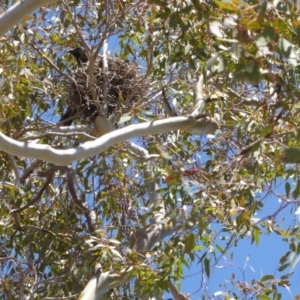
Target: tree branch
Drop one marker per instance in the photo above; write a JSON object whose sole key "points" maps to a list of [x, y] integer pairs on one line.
{"points": [[18, 12], [89, 214], [92, 148], [199, 100], [176, 294], [35, 199]]}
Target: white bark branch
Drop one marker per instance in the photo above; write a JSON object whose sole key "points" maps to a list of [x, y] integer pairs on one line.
{"points": [[18, 12], [199, 100], [102, 282], [139, 152], [176, 294], [92, 148], [155, 199]]}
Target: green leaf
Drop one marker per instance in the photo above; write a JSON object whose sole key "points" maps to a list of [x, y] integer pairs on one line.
{"points": [[266, 131], [264, 297], [187, 49], [189, 243], [256, 235], [283, 267], [291, 155], [262, 9], [211, 61], [287, 189], [227, 5], [298, 34], [297, 4], [261, 42], [296, 191], [287, 49], [220, 249], [124, 118], [284, 257], [207, 267], [267, 278]]}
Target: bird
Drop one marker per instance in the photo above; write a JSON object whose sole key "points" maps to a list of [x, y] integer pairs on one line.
{"points": [[80, 98], [78, 108], [68, 117], [79, 55]]}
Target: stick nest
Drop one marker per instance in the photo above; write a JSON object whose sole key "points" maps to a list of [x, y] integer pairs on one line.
{"points": [[124, 84]]}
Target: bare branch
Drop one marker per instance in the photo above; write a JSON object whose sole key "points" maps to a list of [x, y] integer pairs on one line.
{"points": [[51, 64], [35, 199], [90, 215]]}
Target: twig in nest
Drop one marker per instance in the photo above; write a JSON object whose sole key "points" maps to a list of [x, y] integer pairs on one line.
{"points": [[123, 82]]}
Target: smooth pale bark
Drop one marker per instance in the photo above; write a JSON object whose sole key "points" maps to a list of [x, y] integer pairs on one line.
{"points": [[102, 282], [90, 149], [142, 240], [199, 100], [176, 294], [18, 12]]}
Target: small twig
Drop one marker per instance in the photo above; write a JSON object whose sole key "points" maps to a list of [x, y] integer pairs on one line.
{"points": [[89, 214], [51, 171], [30, 227], [35, 199], [52, 64], [29, 171], [74, 23]]}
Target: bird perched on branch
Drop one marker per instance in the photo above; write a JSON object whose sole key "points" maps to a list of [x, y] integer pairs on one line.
{"points": [[71, 113], [68, 117], [79, 55]]}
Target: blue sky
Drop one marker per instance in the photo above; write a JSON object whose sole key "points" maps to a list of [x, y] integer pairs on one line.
{"points": [[250, 261]]}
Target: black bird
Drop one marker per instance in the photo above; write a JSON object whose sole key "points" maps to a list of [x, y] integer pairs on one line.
{"points": [[68, 117], [71, 112], [79, 55]]}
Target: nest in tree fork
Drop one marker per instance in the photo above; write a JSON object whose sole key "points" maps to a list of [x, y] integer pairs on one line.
{"points": [[123, 81]]}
